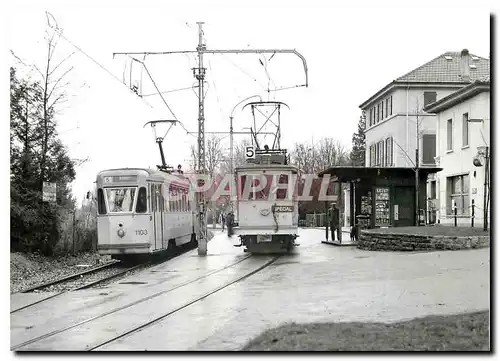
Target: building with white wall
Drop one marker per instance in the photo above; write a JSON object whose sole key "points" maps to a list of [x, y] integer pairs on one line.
{"points": [[463, 131], [393, 112]]}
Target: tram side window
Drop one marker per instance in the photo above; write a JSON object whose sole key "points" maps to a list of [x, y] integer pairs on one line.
{"points": [[168, 197], [160, 199], [176, 202], [101, 205], [142, 201], [281, 193], [155, 197]]}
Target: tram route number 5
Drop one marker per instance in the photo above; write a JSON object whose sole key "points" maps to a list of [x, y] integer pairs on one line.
{"points": [[249, 152]]}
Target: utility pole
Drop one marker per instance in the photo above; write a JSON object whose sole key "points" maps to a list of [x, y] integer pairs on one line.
{"points": [[417, 179], [199, 73], [486, 180]]}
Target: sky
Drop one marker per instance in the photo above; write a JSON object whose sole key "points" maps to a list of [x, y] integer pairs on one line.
{"points": [[352, 50]]}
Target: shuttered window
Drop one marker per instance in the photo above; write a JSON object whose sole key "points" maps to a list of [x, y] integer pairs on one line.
{"points": [[388, 152], [429, 148]]}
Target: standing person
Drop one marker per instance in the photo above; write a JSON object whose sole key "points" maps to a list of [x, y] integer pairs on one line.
{"points": [[229, 223], [223, 221], [335, 221]]}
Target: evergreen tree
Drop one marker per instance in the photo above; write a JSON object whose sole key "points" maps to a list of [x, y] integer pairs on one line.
{"points": [[35, 224], [359, 143]]}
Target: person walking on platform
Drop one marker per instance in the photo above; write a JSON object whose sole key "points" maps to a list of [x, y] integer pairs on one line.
{"points": [[334, 215], [223, 221]]}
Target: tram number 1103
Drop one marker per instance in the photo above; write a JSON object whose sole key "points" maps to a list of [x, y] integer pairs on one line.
{"points": [[141, 232]]}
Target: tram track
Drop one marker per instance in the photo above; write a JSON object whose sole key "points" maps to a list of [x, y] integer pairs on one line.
{"points": [[144, 299], [187, 304], [74, 279], [78, 281]]}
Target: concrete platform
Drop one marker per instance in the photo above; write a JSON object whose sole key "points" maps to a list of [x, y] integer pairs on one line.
{"points": [[314, 284]]}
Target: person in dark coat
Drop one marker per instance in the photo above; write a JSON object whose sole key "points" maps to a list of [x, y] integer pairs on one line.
{"points": [[230, 223], [223, 221], [334, 221]]}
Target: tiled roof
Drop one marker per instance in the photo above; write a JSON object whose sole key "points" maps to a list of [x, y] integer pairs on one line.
{"points": [[459, 96], [448, 68]]}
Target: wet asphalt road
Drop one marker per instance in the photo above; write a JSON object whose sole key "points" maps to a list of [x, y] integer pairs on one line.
{"points": [[318, 283]]}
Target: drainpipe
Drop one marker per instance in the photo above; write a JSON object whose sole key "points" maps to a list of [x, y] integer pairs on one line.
{"points": [[407, 121]]}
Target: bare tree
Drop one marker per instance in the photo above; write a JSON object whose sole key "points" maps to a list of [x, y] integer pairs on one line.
{"points": [[331, 153], [214, 155], [303, 158], [53, 87], [316, 157]]}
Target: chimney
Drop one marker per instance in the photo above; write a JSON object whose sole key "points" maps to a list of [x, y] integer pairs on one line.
{"points": [[464, 65]]}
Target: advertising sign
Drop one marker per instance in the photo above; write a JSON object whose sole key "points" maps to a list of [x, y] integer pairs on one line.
{"points": [[49, 192]]}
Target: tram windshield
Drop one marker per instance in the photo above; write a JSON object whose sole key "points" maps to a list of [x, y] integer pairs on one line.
{"points": [[120, 199]]}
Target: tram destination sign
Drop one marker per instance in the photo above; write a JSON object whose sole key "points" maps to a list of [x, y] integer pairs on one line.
{"points": [[120, 179], [283, 209]]}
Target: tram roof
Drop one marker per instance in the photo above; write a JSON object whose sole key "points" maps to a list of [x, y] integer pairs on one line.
{"points": [[134, 170], [351, 173], [150, 172]]}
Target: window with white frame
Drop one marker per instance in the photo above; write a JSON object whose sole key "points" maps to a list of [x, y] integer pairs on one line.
{"points": [[388, 152], [458, 195], [449, 134], [379, 154], [372, 155], [465, 130]]}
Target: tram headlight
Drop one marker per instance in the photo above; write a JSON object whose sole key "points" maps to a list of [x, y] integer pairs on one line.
{"points": [[120, 233]]}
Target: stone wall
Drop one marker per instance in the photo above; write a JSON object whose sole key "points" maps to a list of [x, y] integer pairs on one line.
{"points": [[376, 241]]}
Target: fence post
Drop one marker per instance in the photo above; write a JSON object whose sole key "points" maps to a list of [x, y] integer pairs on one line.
{"points": [[455, 210], [472, 218]]}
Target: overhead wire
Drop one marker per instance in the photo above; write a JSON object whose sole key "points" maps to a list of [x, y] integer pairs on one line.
{"points": [[268, 77], [170, 91], [159, 93], [215, 89], [60, 33], [243, 71]]}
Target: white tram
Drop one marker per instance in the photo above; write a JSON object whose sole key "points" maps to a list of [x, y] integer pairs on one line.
{"points": [[143, 211], [267, 205]]}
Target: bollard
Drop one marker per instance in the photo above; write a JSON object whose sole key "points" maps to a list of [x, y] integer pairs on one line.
{"points": [[472, 217], [455, 210]]}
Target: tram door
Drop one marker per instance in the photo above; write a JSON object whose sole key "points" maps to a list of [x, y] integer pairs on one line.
{"points": [[157, 214]]}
